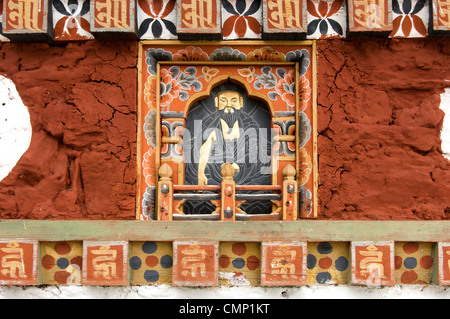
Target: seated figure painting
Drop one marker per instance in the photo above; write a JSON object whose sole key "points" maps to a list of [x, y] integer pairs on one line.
{"points": [[228, 127]]}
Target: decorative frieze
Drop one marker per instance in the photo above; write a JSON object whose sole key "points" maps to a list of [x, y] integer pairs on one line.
{"points": [[213, 263]]}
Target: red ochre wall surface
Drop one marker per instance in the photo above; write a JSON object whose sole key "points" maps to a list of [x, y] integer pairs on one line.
{"points": [[378, 130]]}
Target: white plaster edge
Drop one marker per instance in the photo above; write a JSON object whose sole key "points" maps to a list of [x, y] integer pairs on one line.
{"points": [[445, 131], [15, 127], [170, 292]]}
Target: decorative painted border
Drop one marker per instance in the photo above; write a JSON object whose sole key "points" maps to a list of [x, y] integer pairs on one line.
{"points": [[327, 247]]}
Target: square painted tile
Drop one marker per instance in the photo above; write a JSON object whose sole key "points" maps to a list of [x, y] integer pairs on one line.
{"points": [[284, 16], [25, 17], [157, 19], [410, 18], [441, 15], [198, 16], [241, 19], [328, 263], [195, 263], [283, 263], [105, 263], [240, 264], [326, 19], [2, 37], [413, 263], [373, 263], [443, 256], [18, 262]]}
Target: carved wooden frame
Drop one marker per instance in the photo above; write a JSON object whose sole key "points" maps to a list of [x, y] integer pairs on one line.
{"points": [[155, 57]]}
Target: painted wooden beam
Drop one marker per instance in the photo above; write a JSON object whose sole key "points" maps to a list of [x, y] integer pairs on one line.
{"points": [[251, 231]]}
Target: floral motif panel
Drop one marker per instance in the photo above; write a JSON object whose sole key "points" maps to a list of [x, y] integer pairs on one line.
{"points": [[241, 19], [156, 19], [174, 76]]}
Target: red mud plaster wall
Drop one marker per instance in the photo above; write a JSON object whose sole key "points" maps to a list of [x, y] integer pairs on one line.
{"points": [[379, 129], [81, 163], [379, 122]]}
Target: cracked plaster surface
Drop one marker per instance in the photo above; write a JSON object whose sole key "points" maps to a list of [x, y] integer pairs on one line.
{"points": [[82, 102], [379, 127]]}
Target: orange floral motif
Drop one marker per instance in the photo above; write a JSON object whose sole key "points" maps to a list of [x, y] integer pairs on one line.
{"points": [[286, 88], [247, 73], [240, 16], [191, 54], [170, 88], [266, 54]]}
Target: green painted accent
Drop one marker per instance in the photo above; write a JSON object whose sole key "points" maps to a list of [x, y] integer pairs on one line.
{"points": [[303, 230]]}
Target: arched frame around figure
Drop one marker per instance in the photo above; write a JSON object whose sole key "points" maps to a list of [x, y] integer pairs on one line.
{"points": [[279, 75], [252, 93]]}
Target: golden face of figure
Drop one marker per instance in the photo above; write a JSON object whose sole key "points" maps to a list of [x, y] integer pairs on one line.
{"points": [[229, 100]]}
